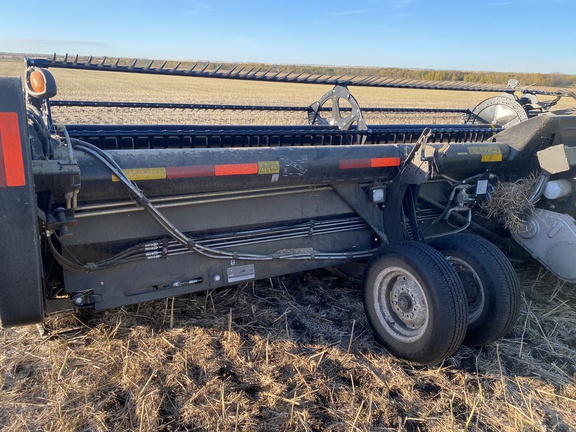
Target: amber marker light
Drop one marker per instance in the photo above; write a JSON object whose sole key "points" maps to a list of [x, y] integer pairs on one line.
{"points": [[40, 83], [37, 81]]}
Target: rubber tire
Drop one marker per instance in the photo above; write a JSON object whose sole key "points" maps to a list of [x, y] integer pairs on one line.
{"points": [[446, 304], [501, 289]]}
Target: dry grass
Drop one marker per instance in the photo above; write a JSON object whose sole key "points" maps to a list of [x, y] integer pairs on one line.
{"points": [[289, 353], [283, 354], [510, 203]]}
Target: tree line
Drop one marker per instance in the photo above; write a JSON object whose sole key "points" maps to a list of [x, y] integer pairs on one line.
{"points": [[538, 79], [499, 78]]}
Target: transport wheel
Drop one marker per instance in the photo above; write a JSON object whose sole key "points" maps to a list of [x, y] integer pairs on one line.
{"points": [[490, 283], [415, 302]]}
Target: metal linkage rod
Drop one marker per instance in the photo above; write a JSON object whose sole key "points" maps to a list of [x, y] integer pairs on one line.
{"points": [[159, 105]]}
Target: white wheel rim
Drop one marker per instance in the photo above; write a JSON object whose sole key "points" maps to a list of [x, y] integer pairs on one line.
{"points": [[472, 285], [400, 304]]}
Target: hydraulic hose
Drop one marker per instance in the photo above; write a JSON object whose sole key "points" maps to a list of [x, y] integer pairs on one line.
{"points": [[112, 166]]}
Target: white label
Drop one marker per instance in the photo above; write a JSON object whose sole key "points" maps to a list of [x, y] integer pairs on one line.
{"points": [[481, 187], [241, 273]]}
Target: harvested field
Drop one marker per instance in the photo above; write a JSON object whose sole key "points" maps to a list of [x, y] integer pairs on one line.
{"points": [[287, 353]]}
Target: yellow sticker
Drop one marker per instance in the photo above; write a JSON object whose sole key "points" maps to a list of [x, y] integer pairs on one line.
{"points": [[492, 157], [484, 150], [143, 174], [269, 167]]}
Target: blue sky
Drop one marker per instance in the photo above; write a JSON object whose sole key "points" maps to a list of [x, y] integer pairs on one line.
{"points": [[492, 35]]}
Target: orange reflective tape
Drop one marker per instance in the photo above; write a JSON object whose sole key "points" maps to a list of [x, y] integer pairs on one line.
{"points": [[370, 163], [11, 160], [384, 162], [236, 169]]}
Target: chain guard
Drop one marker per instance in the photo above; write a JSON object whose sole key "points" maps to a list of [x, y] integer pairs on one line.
{"points": [[503, 110]]}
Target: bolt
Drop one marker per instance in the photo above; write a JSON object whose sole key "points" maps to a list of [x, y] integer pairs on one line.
{"points": [[216, 278], [405, 303], [78, 301]]}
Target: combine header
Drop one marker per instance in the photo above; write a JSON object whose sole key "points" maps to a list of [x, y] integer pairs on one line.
{"points": [[101, 216]]}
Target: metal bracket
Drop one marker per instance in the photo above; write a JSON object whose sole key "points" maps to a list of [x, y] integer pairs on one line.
{"points": [[557, 159], [416, 167], [356, 198], [85, 299]]}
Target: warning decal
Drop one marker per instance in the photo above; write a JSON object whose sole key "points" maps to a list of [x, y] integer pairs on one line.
{"points": [[484, 150], [269, 167], [492, 157]]}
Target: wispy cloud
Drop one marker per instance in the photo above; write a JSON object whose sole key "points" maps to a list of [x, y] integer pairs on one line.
{"points": [[198, 7], [401, 4], [353, 12], [399, 15]]}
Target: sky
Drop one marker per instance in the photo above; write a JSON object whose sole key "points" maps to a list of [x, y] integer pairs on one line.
{"points": [[471, 35]]}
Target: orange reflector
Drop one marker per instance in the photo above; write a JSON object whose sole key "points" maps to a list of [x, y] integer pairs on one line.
{"points": [[236, 169], [37, 81], [385, 162], [355, 163], [11, 160], [370, 163]]}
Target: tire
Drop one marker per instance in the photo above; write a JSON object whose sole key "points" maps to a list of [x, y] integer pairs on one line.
{"points": [[490, 283], [414, 302]]}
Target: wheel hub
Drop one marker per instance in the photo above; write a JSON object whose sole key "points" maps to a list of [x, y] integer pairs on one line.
{"points": [[400, 304], [407, 302]]}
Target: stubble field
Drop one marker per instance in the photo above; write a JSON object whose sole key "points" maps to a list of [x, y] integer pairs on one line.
{"points": [[288, 353]]}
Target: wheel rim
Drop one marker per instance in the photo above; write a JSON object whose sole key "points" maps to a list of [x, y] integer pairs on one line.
{"points": [[472, 285], [400, 304]]}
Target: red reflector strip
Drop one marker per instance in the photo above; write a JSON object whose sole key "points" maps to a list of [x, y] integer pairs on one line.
{"points": [[190, 171], [11, 160], [385, 162], [370, 163], [355, 163], [236, 169]]}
